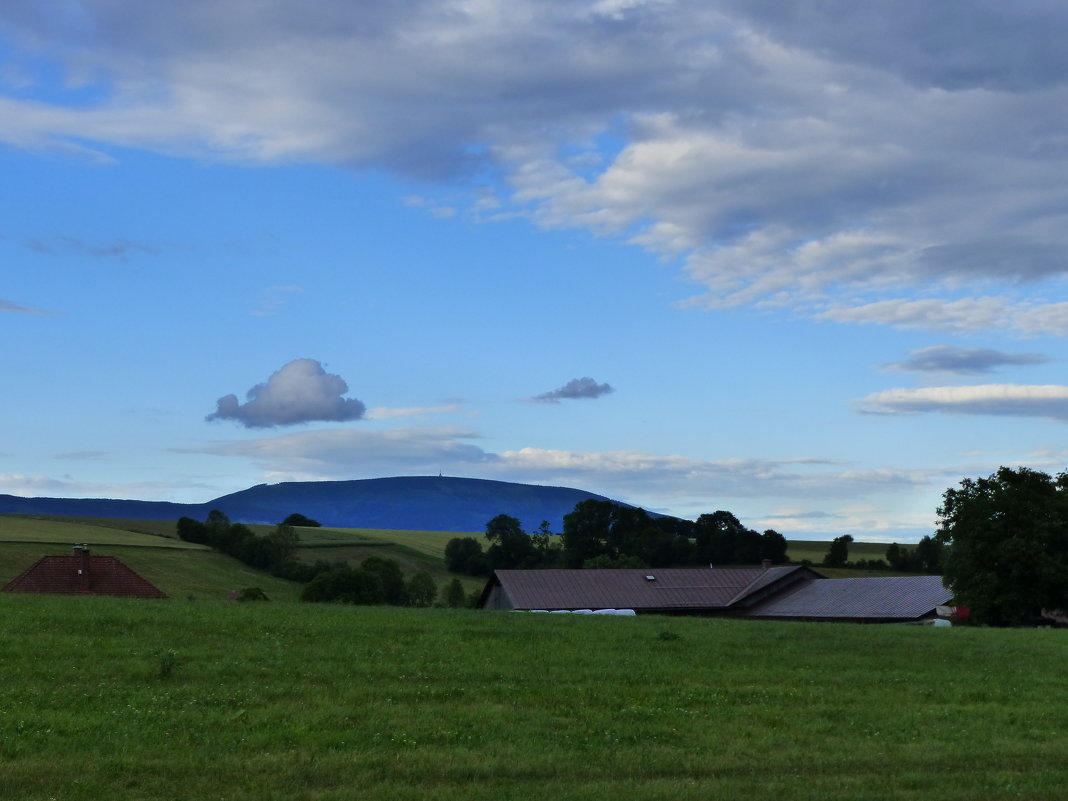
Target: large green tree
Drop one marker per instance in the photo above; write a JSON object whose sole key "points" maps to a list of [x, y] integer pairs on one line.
{"points": [[1007, 544], [510, 547]]}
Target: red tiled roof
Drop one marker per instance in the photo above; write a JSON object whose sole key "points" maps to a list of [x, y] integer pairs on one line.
{"points": [[65, 575], [644, 589]]}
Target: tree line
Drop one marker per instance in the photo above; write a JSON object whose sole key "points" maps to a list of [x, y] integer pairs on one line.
{"points": [[602, 534], [273, 552], [925, 557], [377, 580]]}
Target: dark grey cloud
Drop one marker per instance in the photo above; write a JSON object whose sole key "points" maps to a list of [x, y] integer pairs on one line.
{"points": [[924, 43], [949, 359], [576, 388], [300, 392]]}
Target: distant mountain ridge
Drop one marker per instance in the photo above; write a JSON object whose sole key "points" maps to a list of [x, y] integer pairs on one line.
{"points": [[429, 503]]}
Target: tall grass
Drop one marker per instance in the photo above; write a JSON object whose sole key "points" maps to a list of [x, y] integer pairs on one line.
{"points": [[110, 698]]}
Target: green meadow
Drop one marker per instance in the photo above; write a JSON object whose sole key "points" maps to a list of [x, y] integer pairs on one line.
{"points": [[195, 697], [179, 699]]}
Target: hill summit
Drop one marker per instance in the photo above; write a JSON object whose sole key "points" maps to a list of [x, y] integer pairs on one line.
{"points": [[431, 503]]}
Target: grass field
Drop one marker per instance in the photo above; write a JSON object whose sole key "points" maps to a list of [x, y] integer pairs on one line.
{"points": [[90, 532], [111, 698]]}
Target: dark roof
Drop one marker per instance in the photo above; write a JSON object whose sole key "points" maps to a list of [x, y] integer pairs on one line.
{"points": [[646, 589], [882, 598], [66, 575]]}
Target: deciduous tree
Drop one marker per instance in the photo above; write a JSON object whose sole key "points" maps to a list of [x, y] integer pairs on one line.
{"points": [[1007, 544]]}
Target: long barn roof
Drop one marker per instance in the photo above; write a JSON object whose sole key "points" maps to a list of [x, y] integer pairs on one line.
{"points": [[686, 589]]}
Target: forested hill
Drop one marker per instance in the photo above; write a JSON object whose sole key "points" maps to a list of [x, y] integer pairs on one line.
{"points": [[432, 503]]}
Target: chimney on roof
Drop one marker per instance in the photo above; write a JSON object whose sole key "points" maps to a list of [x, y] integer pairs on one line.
{"points": [[84, 579]]}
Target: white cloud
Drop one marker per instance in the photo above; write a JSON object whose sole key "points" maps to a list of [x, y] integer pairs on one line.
{"points": [[349, 453], [988, 399], [837, 160], [40, 486], [393, 413], [352, 453], [965, 315], [299, 392]]}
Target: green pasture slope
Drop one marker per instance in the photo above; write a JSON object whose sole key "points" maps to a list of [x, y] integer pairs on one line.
{"points": [[180, 569], [412, 550], [114, 698], [183, 569]]}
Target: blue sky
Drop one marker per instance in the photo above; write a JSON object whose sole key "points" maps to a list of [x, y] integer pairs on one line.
{"points": [[804, 262]]}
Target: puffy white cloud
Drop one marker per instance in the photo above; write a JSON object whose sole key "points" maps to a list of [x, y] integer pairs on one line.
{"points": [[1049, 401], [299, 392]]}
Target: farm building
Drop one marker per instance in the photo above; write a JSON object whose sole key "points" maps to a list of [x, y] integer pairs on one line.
{"points": [[680, 591], [783, 593], [82, 573]]}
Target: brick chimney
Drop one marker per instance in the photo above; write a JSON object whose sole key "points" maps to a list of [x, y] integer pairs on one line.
{"points": [[85, 580]]}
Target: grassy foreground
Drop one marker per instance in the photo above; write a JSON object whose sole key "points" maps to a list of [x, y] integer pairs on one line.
{"points": [[112, 698]]}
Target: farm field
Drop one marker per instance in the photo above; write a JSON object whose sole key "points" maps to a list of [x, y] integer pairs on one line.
{"points": [[814, 550], [152, 549], [112, 698]]}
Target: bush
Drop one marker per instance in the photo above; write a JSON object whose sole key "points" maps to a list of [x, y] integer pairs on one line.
{"points": [[345, 585], [297, 519], [250, 594], [455, 597], [421, 589]]}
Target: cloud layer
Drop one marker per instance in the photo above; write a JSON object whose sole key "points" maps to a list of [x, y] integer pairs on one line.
{"points": [[300, 392], [949, 359], [822, 156], [1048, 401], [684, 482]]}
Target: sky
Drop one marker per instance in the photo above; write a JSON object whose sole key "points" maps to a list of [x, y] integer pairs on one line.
{"points": [[803, 262]]}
